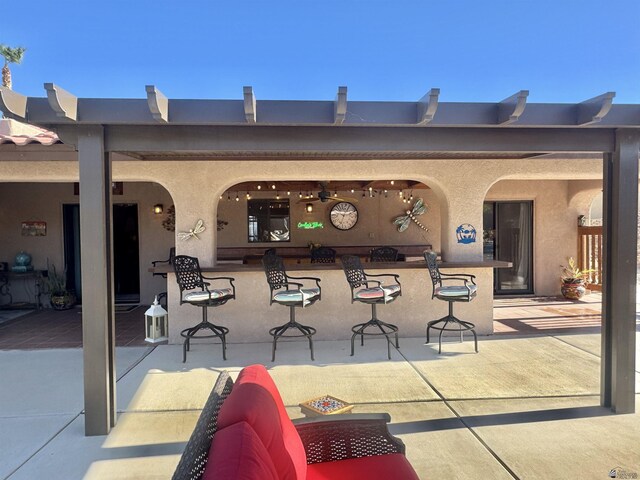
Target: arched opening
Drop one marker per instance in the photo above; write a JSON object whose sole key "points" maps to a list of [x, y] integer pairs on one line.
{"points": [[294, 216], [43, 221]]}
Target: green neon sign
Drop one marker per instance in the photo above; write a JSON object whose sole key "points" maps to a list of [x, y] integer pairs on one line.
{"points": [[310, 225]]}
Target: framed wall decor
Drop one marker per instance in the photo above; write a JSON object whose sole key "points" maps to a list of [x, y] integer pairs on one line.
{"points": [[34, 229]]}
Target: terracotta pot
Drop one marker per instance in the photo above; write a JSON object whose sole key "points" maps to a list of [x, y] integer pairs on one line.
{"points": [[573, 291], [62, 301]]}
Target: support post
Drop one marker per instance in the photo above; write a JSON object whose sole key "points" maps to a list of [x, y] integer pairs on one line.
{"points": [[620, 215], [98, 321]]}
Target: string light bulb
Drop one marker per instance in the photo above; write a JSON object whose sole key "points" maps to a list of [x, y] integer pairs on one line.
{"points": [[237, 199], [273, 186], [259, 187]]}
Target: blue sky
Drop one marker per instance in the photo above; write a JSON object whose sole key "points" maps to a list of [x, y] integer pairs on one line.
{"points": [[559, 50]]}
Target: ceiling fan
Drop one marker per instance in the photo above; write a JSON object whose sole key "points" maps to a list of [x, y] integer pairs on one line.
{"points": [[324, 196]]}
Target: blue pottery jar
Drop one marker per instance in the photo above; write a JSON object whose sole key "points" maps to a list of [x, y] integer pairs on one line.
{"points": [[23, 259]]}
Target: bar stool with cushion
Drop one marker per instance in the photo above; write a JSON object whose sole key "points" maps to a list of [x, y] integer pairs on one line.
{"points": [[284, 291], [323, 255], [190, 280], [464, 292], [383, 254], [374, 293]]}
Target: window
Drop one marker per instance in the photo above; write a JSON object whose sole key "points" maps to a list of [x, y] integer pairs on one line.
{"points": [[268, 220]]}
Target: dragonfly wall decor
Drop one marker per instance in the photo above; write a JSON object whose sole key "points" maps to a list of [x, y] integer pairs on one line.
{"points": [[403, 221], [193, 232]]}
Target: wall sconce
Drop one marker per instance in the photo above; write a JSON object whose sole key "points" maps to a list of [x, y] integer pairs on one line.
{"points": [[309, 207], [158, 209]]}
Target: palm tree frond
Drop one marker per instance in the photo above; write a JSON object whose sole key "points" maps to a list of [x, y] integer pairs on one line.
{"points": [[12, 55]]}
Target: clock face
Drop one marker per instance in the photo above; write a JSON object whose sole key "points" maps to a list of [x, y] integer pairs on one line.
{"points": [[344, 216]]}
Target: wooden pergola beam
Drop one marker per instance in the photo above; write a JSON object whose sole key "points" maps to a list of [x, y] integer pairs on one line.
{"points": [[427, 106], [249, 104], [599, 112], [13, 104], [510, 109], [595, 109], [158, 104], [63, 103], [340, 106]]}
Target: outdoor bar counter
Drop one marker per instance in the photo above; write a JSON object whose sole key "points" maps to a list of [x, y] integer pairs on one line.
{"points": [[249, 317]]}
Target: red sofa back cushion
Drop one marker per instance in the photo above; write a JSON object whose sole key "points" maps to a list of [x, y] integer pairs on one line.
{"points": [[237, 453], [256, 400]]}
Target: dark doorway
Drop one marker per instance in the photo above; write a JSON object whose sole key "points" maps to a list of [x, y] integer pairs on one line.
{"points": [[508, 236], [71, 228], [126, 255]]}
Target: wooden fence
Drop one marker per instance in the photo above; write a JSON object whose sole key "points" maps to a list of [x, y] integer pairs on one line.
{"points": [[590, 255]]}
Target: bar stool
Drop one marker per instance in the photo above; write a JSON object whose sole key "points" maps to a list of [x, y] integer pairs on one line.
{"points": [[323, 255], [450, 293], [189, 278], [374, 293], [383, 254], [282, 293]]}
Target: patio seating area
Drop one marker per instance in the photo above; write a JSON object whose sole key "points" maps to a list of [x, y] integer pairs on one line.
{"points": [[526, 406]]}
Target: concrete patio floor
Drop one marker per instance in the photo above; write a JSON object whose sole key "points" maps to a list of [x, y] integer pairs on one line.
{"points": [[524, 407]]}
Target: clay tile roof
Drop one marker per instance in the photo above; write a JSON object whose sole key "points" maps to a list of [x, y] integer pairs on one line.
{"points": [[17, 133]]}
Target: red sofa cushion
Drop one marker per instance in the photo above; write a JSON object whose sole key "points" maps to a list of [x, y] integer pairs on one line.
{"points": [[237, 453], [256, 400], [394, 466]]}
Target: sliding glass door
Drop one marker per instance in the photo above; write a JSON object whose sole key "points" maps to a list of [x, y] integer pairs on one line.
{"points": [[508, 236]]}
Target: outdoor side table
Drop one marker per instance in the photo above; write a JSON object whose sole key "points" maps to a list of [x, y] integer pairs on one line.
{"points": [[325, 405]]}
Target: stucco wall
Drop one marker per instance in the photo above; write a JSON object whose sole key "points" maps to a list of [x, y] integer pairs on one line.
{"points": [[554, 225], [375, 221], [43, 202], [458, 188]]}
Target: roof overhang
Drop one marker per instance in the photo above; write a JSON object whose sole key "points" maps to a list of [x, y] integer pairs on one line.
{"points": [[61, 107], [157, 128]]}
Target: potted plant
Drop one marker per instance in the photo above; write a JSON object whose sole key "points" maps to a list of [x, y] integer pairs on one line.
{"points": [[60, 297], [574, 282]]}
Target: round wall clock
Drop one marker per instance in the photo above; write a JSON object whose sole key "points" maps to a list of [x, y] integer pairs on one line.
{"points": [[344, 216]]}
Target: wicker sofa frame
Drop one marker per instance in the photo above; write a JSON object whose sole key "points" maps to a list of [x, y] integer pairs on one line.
{"points": [[325, 439]]}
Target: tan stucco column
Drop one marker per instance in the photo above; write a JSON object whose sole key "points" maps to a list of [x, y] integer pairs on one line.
{"points": [[198, 202], [461, 215]]}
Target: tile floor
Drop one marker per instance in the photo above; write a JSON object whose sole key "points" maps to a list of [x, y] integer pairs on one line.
{"points": [[524, 316], [63, 329]]}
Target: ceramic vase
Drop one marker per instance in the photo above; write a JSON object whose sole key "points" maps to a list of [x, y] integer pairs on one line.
{"points": [[573, 291]]}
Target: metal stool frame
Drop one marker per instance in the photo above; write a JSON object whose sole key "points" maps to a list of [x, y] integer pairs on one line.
{"points": [[357, 277], [323, 255], [277, 278], [458, 325], [383, 254], [189, 277]]}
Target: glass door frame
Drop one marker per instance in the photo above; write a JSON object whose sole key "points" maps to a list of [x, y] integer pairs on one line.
{"points": [[496, 288]]}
